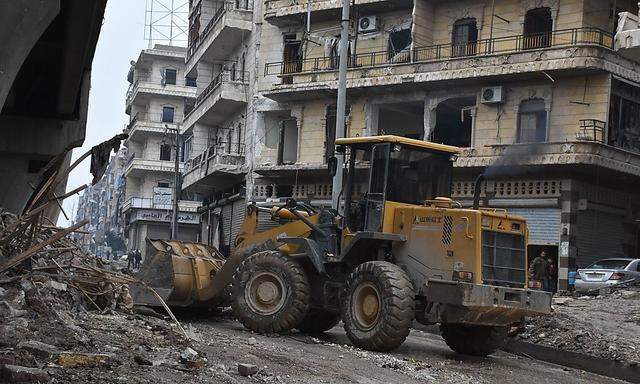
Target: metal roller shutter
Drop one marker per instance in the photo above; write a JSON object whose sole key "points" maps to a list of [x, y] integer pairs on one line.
{"points": [[239, 212], [226, 219], [543, 224], [600, 236]]}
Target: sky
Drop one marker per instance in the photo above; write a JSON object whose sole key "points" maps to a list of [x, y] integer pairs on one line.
{"points": [[121, 39]]}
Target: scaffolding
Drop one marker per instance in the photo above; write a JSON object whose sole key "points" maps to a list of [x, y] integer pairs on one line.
{"points": [[166, 22]]}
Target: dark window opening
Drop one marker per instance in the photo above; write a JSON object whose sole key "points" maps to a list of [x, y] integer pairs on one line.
{"points": [[190, 82], [402, 119], [330, 130], [288, 145], [163, 184], [334, 54], [624, 117], [165, 152], [464, 38], [532, 121], [398, 48], [170, 76], [454, 122], [284, 190], [292, 57], [538, 26], [168, 114]]}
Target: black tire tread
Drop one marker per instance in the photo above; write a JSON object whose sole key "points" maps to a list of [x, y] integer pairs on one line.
{"points": [[397, 307], [474, 340], [293, 313]]}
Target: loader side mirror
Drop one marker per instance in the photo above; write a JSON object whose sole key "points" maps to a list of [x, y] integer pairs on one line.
{"points": [[332, 165]]}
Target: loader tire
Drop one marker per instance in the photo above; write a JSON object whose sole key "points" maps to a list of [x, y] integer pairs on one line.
{"points": [[318, 321], [378, 307], [474, 340], [271, 293]]}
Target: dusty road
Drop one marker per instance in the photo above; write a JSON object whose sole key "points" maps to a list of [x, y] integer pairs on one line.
{"points": [[424, 358]]}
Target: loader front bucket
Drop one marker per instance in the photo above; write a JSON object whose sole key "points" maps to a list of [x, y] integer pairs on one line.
{"points": [[179, 272]]}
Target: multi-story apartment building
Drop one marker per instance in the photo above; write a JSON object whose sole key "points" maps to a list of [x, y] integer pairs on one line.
{"points": [[156, 103], [534, 92]]}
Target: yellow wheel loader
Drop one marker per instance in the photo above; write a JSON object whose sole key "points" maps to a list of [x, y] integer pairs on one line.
{"points": [[401, 251]]}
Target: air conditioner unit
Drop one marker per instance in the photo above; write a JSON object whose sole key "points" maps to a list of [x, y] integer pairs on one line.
{"points": [[492, 95], [368, 24]]}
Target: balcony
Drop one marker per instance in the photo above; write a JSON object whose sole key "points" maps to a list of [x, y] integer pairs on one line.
{"points": [[225, 31], [148, 203], [577, 48], [145, 123], [137, 167], [289, 12], [145, 87], [224, 96], [627, 40], [217, 168]]}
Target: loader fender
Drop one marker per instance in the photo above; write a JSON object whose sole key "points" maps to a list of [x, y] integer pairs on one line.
{"points": [[311, 250]]}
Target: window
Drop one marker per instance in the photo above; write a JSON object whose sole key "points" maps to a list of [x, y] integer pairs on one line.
{"points": [[464, 38], [532, 121], [170, 76], [538, 25], [163, 184], [190, 82], [165, 152], [167, 114], [399, 42]]}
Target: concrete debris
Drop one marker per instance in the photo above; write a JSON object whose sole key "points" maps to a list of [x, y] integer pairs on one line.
{"points": [[188, 354], [74, 359], [18, 374], [247, 369], [37, 348]]}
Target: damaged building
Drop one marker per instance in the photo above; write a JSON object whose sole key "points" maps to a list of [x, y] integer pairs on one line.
{"points": [[532, 90], [156, 102], [45, 76]]}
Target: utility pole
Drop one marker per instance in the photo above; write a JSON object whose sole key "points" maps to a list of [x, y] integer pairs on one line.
{"points": [[176, 183], [342, 104]]}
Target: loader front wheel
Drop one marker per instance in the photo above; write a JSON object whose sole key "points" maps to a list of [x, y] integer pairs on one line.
{"points": [[271, 293], [318, 321], [379, 306], [474, 340]]}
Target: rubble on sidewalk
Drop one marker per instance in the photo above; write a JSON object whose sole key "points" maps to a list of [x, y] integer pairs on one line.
{"points": [[604, 326]]}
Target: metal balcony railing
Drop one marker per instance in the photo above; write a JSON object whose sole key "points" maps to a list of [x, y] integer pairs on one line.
{"points": [[592, 130], [222, 153], [245, 5], [154, 118], [188, 82], [226, 76], [497, 45]]}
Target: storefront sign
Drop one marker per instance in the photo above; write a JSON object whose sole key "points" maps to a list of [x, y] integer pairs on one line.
{"points": [[162, 196], [164, 216]]}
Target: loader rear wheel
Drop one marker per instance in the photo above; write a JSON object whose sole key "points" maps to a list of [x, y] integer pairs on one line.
{"points": [[271, 293], [378, 308], [475, 340], [319, 321]]}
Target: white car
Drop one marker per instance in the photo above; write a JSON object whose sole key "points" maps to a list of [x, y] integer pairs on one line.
{"points": [[607, 273]]}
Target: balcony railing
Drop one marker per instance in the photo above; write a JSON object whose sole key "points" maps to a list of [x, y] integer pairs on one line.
{"points": [[245, 5], [226, 76], [154, 118], [222, 153], [148, 203], [180, 82], [592, 130], [497, 45]]}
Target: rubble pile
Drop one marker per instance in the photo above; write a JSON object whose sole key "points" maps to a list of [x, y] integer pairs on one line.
{"points": [[605, 326]]}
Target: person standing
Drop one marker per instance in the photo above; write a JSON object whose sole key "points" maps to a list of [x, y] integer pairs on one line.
{"points": [[138, 259], [538, 270], [552, 276], [131, 259]]}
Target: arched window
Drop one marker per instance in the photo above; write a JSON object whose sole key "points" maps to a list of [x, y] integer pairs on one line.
{"points": [[538, 26], [532, 121], [464, 37]]}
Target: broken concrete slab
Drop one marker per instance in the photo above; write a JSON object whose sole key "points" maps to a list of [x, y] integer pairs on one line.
{"points": [[247, 369], [19, 374], [37, 348], [75, 359], [62, 287]]}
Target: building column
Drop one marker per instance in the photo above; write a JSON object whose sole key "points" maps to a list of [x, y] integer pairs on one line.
{"points": [[569, 223]]}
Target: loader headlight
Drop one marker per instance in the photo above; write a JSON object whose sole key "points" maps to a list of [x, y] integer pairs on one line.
{"points": [[463, 276]]}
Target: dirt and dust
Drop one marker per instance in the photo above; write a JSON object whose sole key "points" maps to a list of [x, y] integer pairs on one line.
{"points": [[605, 326]]}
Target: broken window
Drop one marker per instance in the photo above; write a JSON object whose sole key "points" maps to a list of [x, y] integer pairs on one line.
{"points": [[165, 152], [330, 130], [538, 26], [624, 117], [168, 114], [454, 122], [399, 44], [464, 38], [532, 121], [288, 145], [170, 76], [402, 119], [292, 57]]}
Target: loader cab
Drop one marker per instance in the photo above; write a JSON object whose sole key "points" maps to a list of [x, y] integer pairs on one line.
{"points": [[392, 169]]}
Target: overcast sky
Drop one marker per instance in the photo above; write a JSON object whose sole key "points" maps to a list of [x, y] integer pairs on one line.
{"points": [[121, 40]]}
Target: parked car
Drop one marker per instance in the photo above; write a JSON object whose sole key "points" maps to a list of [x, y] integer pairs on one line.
{"points": [[607, 273]]}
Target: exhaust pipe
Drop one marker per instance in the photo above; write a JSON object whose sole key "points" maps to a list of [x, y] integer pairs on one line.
{"points": [[476, 192]]}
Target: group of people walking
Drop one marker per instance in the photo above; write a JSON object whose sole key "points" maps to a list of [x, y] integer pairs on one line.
{"points": [[134, 258]]}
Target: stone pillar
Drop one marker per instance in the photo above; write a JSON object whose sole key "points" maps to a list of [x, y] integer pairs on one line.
{"points": [[569, 223]]}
